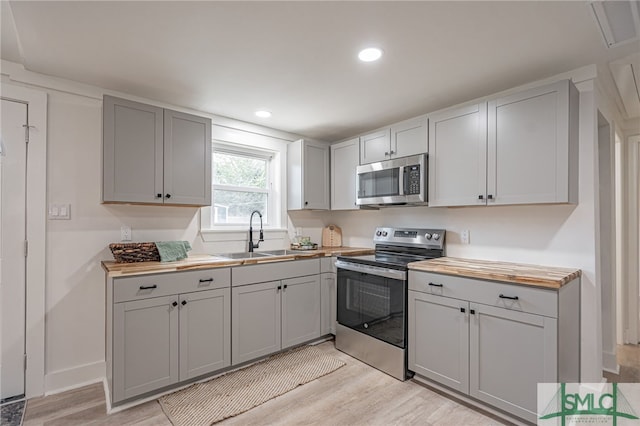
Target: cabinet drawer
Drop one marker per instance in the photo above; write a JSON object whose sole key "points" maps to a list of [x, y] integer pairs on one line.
{"points": [[529, 299], [274, 271], [156, 285]]}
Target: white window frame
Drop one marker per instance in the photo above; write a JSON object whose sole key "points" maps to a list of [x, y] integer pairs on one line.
{"points": [[226, 238], [242, 151]]}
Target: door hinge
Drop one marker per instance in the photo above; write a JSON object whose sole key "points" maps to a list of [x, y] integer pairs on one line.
{"points": [[26, 248], [25, 362], [26, 132]]}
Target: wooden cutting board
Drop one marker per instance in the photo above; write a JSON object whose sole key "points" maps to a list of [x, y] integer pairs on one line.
{"points": [[332, 236]]}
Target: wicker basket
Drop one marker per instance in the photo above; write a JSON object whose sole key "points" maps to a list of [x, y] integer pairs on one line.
{"points": [[134, 252]]}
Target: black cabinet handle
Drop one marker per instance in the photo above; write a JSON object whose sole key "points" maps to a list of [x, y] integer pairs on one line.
{"points": [[480, 197], [490, 197], [306, 203], [285, 286], [463, 310], [158, 195], [167, 196], [184, 302], [174, 304], [279, 287], [148, 287], [208, 280], [436, 285], [472, 311], [502, 296]]}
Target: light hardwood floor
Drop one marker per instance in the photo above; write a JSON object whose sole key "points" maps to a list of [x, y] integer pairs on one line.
{"points": [[629, 361], [355, 394]]}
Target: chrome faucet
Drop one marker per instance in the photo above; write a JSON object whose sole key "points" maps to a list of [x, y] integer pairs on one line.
{"points": [[256, 245]]}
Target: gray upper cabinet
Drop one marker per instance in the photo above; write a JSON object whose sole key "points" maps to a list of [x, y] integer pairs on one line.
{"points": [[344, 161], [154, 156], [307, 175], [458, 156], [533, 146], [516, 149], [187, 159], [375, 146], [402, 139]]}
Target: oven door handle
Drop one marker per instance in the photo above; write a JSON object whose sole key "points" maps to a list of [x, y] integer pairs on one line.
{"points": [[372, 270]]}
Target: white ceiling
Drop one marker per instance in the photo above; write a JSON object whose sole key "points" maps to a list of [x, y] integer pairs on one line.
{"points": [[298, 59]]}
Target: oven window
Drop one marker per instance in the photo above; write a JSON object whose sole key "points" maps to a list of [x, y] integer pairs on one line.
{"points": [[372, 305], [379, 183]]}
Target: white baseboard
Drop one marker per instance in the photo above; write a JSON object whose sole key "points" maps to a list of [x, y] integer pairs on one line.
{"points": [[64, 380], [610, 362]]}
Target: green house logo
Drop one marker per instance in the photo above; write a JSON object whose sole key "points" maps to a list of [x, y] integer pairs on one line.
{"points": [[589, 405]]}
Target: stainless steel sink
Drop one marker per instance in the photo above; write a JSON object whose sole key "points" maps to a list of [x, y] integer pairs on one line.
{"points": [[283, 252], [243, 255]]}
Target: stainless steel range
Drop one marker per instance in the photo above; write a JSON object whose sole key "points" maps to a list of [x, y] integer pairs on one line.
{"points": [[372, 296]]}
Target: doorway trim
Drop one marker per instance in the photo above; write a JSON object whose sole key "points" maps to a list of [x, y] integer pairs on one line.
{"points": [[632, 322], [36, 233]]}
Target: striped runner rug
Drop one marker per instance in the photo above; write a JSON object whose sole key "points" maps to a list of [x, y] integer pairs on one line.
{"points": [[241, 390]]}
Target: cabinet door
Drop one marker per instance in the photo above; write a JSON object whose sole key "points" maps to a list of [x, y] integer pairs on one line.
{"points": [[344, 161], [458, 156], [132, 152], [510, 353], [528, 143], [205, 332], [438, 342], [187, 159], [316, 176], [375, 146], [300, 310], [409, 137], [328, 303], [145, 346], [255, 321]]}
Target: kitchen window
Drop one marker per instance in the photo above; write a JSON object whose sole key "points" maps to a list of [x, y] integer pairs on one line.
{"points": [[241, 183]]}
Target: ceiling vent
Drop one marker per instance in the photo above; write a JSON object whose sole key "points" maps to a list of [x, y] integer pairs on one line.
{"points": [[618, 20]]}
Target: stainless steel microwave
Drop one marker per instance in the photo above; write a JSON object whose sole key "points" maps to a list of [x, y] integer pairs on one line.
{"points": [[401, 181]]}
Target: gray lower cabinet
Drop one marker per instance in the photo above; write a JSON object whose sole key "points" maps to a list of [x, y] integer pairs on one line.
{"points": [[145, 346], [256, 319], [271, 316], [493, 341], [439, 339], [163, 329]]}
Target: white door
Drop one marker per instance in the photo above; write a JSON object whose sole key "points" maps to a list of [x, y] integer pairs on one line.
{"points": [[12, 254]]}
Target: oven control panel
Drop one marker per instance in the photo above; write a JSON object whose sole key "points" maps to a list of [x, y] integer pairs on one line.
{"points": [[411, 237]]}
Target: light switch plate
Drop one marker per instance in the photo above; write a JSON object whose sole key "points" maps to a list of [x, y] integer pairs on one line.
{"points": [[125, 233], [58, 211], [464, 236]]}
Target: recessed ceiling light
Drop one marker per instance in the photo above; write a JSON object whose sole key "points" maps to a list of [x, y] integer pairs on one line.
{"points": [[370, 54], [263, 114]]}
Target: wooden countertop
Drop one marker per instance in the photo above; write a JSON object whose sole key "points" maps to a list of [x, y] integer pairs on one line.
{"points": [[205, 261], [535, 275]]}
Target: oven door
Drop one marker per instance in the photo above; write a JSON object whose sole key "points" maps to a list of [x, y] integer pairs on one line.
{"points": [[373, 301]]}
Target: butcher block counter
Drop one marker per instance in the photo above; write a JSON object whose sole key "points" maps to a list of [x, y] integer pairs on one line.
{"points": [[516, 273], [205, 261]]}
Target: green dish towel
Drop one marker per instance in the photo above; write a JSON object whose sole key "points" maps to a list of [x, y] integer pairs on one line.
{"points": [[170, 251]]}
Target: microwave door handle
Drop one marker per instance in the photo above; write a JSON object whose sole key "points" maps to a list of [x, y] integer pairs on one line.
{"points": [[401, 179]]}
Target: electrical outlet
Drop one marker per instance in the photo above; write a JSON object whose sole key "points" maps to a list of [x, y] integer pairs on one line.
{"points": [[125, 233], [464, 236]]}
